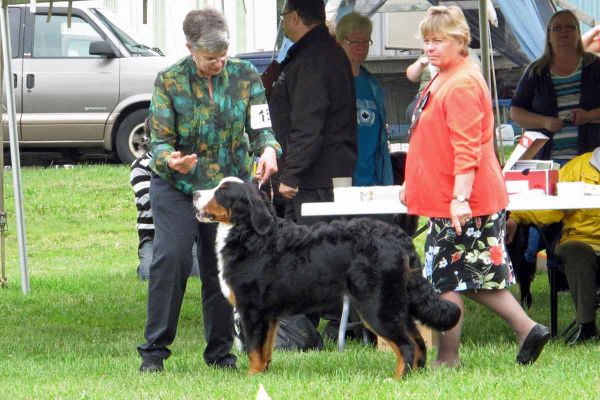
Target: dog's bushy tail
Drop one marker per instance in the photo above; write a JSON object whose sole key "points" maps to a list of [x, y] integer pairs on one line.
{"points": [[427, 306]]}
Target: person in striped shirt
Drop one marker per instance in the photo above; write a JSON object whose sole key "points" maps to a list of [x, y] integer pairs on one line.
{"points": [[140, 177], [558, 93]]}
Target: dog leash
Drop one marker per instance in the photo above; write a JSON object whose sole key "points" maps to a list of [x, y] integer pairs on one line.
{"points": [[271, 192], [419, 231]]}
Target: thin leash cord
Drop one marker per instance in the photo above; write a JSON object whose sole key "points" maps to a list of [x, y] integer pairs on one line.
{"points": [[420, 230]]}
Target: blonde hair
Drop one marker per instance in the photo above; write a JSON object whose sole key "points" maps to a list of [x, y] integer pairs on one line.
{"points": [[353, 22], [546, 60], [447, 21]]}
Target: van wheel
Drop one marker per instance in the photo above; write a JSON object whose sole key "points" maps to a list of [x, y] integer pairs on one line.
{"points": [[131, 141]]}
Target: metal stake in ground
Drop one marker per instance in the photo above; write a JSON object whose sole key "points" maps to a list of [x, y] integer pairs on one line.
{"points": [[3, 281]]}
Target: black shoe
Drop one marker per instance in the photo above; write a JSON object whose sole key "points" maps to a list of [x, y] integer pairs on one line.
{"points": [[586, 332], [533, 345], [226, 363], [152, 364]]}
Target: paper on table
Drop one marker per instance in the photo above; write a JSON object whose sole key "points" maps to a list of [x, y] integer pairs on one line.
{"points": [[577, 189]]}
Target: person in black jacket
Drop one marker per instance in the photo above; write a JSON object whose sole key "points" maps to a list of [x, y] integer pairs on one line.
{"points": [[313, 109]]}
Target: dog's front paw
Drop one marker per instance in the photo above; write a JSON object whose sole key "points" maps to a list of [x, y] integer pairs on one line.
{"points": [[257, 364]]}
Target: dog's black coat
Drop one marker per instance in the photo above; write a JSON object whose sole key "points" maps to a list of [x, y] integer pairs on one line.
{"points": [[276, 268]]}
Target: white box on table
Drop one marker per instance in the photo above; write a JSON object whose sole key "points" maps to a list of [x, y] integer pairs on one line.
{"points": [[366, 193]]}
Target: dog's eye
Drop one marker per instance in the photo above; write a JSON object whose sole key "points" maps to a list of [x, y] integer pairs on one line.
{"points": [[211, 217]]}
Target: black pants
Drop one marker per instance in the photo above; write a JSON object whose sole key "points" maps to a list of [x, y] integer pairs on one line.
{"points": [[176, 229], [582, 266]]}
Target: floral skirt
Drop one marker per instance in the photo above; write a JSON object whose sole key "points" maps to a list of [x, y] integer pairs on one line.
{"points": [[477, 259]]}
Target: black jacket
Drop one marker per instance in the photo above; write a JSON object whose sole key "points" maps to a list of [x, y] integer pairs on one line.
{"points": [[313, 111]]}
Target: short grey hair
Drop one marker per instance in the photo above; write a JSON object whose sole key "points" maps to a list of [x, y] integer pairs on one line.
{"points": [[206, 29]]}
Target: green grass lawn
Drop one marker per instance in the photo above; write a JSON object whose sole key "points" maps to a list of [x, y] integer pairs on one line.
{"points": [[74, 335]]}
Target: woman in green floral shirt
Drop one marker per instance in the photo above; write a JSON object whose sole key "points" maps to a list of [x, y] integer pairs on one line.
{"points": [[208, 113]]}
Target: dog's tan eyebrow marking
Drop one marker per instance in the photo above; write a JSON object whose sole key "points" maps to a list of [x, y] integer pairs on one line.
{"points": [[219, 213]]}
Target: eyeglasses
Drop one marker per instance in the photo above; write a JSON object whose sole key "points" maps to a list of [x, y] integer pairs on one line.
{"points": [[417, 112], [283, 14], [354, 43], [560, 28]]}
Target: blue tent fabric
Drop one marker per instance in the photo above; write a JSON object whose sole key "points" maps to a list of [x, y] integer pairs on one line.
{"points": [[527, 20]]}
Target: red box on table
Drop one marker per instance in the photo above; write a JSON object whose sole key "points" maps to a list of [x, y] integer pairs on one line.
{"points": [[519, 178]]}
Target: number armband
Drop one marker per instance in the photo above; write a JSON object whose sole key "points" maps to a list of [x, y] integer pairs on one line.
{"points": [[259, 116]]}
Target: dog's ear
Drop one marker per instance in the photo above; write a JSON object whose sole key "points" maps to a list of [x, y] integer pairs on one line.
{"points": [[260, 217]]}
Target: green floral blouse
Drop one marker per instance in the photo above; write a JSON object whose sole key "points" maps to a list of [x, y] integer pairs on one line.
{"points": [[222, 131]]}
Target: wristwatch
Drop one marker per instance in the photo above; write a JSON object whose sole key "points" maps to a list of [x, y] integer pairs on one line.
{"points": [[460, 197]]}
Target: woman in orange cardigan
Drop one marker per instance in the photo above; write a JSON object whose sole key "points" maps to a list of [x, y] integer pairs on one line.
{"points": [[453, 177]]}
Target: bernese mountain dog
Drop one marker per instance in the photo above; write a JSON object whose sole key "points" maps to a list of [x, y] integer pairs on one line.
{"points": [[270, 267]]}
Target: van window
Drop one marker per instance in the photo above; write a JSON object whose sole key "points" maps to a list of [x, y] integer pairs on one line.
{"points": [[114, 23], [55, 40], [14, 20]]}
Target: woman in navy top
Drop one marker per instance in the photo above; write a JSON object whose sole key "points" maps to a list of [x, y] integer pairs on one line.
{"points": [[558, 93]]}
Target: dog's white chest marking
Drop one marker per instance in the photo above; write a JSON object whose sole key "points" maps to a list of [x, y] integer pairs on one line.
{"points": [[222, 232]]}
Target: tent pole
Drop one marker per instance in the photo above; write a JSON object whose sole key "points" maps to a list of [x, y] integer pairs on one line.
{"points": [[14, 145], [499, 141], [3, 280], [483, 40]]}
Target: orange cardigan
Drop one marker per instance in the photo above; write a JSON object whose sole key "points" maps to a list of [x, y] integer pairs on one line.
{"points": [[454, 135]]}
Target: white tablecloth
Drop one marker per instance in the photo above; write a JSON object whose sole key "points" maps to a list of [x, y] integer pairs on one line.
{"points": [[516, 202]]}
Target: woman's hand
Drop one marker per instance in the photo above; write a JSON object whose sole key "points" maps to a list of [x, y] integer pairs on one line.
{"points": [[182, 164], [267, 164], [579, 116], [553, 124], [460, 213], [591, 40], [402, 195]]}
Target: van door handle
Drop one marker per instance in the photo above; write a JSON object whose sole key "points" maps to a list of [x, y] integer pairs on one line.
{"points": [[15, 81], [30, 81]]}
